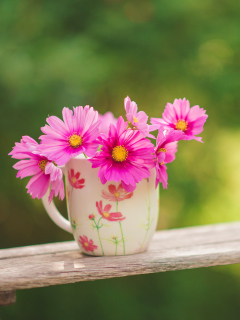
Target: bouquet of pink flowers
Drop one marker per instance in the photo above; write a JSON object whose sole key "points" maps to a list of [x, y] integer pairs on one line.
{"points": [[120, 149]]}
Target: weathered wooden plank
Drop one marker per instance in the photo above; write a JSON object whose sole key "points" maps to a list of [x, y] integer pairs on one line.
{"points": [[38, 249], [198, 235], [186, 248]]}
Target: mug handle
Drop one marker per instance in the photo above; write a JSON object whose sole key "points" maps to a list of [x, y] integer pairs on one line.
{"points": [[55, 215]]}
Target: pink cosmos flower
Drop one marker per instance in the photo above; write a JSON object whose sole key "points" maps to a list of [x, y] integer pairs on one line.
{"points": [[106, 119], [116, 194], [125, 155], [45, 173], [179, 116], [24, 148], [74, 179], [86, 244], [76, 134], [110, 216], [137, 120], [165, 152]]}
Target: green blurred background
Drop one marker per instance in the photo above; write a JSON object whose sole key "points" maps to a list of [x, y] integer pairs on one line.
{"points": [[69, 53]]}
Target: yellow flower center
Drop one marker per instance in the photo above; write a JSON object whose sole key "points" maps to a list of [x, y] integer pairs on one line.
{"points": [[106, 214], [161, 163], [161, 150], [74, 179], [86, 244], [119, 153], [116, 194], [181, 125], [42, 164], [75, 140], [135, 119]]}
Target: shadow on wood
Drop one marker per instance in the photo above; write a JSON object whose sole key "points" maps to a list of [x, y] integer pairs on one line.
{"points": [[7, 298]]}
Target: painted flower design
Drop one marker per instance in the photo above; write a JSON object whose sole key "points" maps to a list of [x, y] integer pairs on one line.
{"points": [[86, 244], [137, 120], [106, 214], [76, 134], [116, 193], [44, 172], [74, 179], [165, 152], [125, 156], [179, 116]]}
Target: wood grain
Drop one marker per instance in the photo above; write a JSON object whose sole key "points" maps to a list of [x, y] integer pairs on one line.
{"points": [[176, 249]]}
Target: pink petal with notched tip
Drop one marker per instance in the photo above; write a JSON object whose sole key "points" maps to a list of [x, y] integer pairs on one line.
{"points": [[129, 187], [169, 114], [107, 208], [116, 216], [57, 188], [68, 119], [55, 172], [171, 150], [27, 168], [38, 185], [130, 106], [105, 121], [162, 176], [57, 126], [112, 188]]}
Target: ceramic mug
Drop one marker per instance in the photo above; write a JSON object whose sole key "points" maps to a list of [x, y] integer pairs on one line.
{"points": [[106, 219]]}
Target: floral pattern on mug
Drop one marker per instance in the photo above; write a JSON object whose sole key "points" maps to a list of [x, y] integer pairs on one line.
{"points": [[74, 224], [116, 194], [91, 216], [86, 244], [116, 241], [74, 179], [110, 216], [146, 225]]}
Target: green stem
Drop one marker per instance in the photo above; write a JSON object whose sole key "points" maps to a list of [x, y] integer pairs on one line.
{"points": [[116, 250], [148, 217], [100, 241], [143, 240], [97, 226], [122, 237], [70, 201], [120, 229]]}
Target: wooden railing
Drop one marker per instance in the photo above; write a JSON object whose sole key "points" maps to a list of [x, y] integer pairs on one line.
{"points": [[60, 263]]}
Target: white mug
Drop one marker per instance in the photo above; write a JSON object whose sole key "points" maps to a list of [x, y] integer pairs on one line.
{"points": [[106, 219]]}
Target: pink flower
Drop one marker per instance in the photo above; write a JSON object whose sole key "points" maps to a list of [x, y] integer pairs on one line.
{"points": [[91, 216], [137, 120], [45, 173], [110, 216], [24, 148], [116, 194], [86, 244], [106, 119], [74, 135], [165, 152], [179, 116], [125, 155], [74, 179]]}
